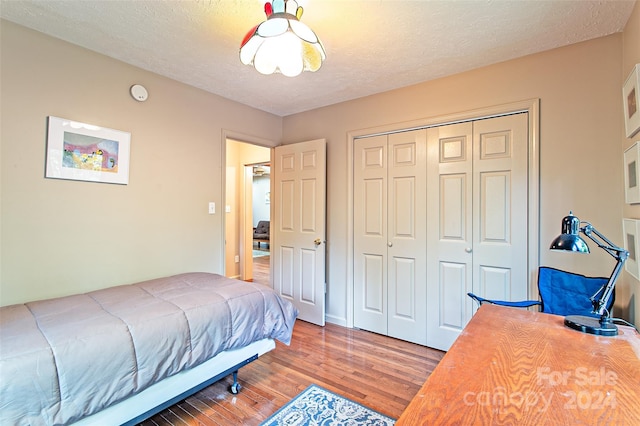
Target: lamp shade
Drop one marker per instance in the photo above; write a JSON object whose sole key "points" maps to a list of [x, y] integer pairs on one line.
{"points": [[282, 43], [569, 239]]}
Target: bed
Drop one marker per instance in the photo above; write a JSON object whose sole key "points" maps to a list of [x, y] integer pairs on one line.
{"points": [[121, 354]]}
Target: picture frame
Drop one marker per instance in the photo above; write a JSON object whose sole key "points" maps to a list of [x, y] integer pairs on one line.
{"points": [[632, 174], [631, 102], [86, 152], [631, 228]]}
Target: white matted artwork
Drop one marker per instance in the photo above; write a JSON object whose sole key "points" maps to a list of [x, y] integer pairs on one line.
{"points": [[81, 151], [631, 102], [631, 244], [631, 174]]}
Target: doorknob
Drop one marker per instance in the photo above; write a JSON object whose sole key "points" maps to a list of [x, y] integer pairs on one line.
{"points": [[468, 249], [317, 241], [390, 244]]}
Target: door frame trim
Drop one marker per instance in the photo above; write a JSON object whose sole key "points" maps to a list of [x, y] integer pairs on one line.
{"points": [[530, 106]]}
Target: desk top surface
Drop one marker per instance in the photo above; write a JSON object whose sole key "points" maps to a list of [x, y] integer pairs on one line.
{"points": [[513, 366]]}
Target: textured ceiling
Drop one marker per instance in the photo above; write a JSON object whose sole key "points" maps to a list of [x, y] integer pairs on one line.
{"points": [[372, 46]]}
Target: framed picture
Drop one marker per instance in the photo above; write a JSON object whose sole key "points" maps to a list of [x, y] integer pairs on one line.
{"points": [[632, 245], [80, 151], [631, 101], [631, 177]]}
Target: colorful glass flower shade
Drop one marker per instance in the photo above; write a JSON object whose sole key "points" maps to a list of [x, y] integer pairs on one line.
{"points": [[282, 43]]}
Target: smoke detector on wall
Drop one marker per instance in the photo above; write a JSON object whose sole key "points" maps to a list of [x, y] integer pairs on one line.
{"points": [[139, 92]]}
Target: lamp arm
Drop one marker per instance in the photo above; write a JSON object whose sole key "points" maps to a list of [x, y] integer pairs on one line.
{"points": [[618, 253], [600, 304]]}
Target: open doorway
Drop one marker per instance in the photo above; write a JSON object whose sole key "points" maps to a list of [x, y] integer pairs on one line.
{"points": [[247, 202], [261, 213]]}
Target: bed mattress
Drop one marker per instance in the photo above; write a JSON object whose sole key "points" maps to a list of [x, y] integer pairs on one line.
{"points": [[67, 358]]}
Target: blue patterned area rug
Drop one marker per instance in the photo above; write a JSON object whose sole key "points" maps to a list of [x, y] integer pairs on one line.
{"points": [[318, 406]]}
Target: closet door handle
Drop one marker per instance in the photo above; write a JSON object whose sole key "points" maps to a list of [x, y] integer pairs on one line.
{"points": [[390, 244], [468, 249]]}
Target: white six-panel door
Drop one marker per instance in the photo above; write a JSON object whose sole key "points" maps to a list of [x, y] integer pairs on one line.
{"points": [[449, 231], [477, 220], [370, 234], [390, 231], [298, 227]]}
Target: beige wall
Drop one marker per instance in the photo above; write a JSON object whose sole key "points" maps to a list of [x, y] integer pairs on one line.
{"points": [[61, 237], [630, 288], [580, 162]]}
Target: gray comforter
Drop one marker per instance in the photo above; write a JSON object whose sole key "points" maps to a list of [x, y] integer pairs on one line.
{"points": [[63, 359]]}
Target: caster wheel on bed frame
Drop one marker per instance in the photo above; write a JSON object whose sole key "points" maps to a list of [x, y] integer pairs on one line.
{"points": [[235, 388]]}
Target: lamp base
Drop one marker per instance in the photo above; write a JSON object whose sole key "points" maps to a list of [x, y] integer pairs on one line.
{"points": [[591, 325]]}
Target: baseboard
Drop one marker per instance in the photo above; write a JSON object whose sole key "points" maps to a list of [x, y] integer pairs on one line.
{"points": [[335, 320]]}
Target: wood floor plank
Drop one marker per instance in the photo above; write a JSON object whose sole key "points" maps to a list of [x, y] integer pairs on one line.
{"points": [[208, 411], [377, 371], [261, 267], [193, 415]]}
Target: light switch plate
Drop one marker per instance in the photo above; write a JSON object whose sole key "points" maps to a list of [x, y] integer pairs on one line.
{"points": [[212, 207]]}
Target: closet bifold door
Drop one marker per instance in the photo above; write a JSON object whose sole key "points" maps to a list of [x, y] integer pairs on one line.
{"points": [[477, 219], [407, 234], [370, 234], [449, 231], [390, 235]]}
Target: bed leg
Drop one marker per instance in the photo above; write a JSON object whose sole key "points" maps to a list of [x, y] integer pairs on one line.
{"points": [[235, 387]]}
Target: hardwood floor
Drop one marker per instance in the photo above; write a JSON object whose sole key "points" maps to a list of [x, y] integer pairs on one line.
{"points": [[377, 371], [261, 270]]}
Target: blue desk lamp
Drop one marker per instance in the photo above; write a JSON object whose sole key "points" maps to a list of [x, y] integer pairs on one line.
{"points": [[570, 240]]}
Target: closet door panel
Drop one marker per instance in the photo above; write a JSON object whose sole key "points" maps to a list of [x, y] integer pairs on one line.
{"points": [[495, 283], [495, 188], [401, 303], [452, 218], [453, 285], [374, 214], [404, 208], [449, 232], [407, 293], [500, 208], [374, 300], [370, 234]]}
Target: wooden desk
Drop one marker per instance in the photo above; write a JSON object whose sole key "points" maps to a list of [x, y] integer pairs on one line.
{"points": [[513, 366]]}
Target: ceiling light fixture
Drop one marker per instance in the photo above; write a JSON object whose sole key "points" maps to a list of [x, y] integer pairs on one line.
{"points": [[282, 43]]}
